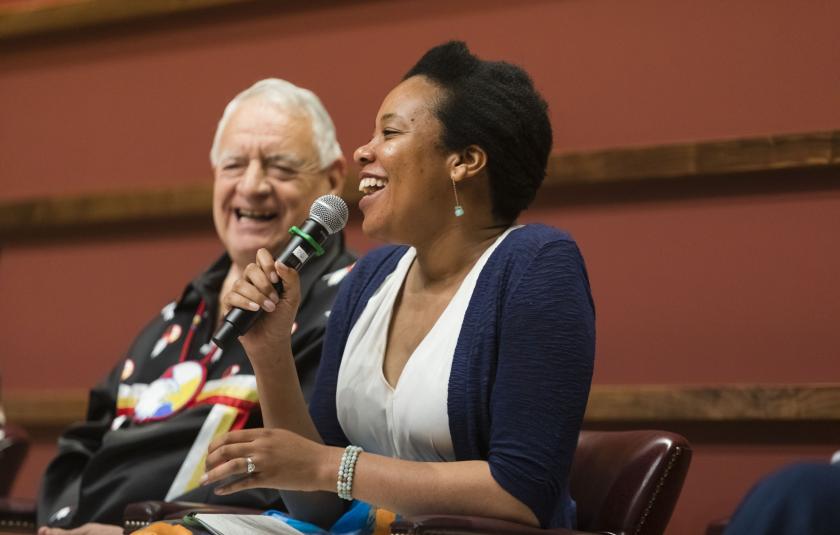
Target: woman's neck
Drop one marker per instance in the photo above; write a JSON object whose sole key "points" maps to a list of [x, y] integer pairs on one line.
{"points": [[449, 256]]}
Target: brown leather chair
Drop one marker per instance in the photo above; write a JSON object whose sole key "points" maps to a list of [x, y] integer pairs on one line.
{"points": [[628, 481], [624, 482], [14, 444], [15, 515]]}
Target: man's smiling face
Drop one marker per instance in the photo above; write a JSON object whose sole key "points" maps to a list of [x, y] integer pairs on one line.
{"points": [[267, 176]]}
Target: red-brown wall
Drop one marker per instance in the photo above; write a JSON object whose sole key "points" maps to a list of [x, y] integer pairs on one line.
{"points": [[690, 288]]}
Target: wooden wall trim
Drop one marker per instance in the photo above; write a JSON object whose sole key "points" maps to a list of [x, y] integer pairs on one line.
{"points": [[705, 158], [54, 408], [34, 18], [718, 403], [21, 219], [643, 404], [808, 152]]}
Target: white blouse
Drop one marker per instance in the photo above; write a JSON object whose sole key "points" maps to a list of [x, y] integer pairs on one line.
{"points": [[410, 420]]}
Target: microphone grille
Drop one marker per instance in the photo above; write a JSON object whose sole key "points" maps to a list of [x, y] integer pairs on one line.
{"points": [[331, 211]]}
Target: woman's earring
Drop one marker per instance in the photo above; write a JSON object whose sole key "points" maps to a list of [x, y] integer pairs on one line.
{"points": [[459, 210]]}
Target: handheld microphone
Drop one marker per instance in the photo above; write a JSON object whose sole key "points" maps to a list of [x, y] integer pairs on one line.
{"points": [[327, 216]]}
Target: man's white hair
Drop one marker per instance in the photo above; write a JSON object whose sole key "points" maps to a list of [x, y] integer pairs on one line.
{"points": [[287, 96]]}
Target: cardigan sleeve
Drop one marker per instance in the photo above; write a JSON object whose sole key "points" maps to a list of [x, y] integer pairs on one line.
{"points": [[353, 294], [543, 375], [322, 407]]}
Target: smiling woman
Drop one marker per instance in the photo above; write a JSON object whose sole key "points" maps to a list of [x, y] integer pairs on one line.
{"points": [[405, 160], [435, 348]]}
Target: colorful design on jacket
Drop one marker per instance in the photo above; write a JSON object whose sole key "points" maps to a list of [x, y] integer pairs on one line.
{"points": [[334, 278], [234, 390], [170, 335], [128, 369], [173, 391]]}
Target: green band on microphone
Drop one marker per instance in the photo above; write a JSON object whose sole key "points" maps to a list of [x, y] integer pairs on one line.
{"points": [[315, 245]]}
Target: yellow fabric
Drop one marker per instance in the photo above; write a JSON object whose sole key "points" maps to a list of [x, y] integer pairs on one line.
{"points": [[382, 522], [162, 528]]}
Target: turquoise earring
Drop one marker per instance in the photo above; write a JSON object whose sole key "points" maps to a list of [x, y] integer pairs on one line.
{"points": [[459, 210]]}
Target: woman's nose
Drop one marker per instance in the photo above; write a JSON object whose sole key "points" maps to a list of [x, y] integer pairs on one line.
{"points": [[363, 154]]}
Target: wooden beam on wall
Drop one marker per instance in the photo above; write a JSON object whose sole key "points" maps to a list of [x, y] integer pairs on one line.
{"points": [[20, 220], [719, 403], [36, 408], [808, 152], [644, 404], [705, 158], [34, 18]]}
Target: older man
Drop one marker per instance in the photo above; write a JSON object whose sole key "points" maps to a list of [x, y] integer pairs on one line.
{"points": [[150, 421]]}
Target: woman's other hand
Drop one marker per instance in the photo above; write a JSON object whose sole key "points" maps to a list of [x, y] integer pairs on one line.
{"points": [[281, 459], [255, 291]]}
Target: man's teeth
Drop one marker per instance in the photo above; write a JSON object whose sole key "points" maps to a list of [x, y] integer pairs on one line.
{"points": [[370, 185], [253, 214]]}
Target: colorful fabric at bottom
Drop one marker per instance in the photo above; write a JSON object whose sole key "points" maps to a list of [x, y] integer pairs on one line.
{"points": [[162, 528], [360, 519]]}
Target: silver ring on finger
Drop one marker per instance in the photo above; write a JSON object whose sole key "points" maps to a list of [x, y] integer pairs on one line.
{"points": [[250, 467]]}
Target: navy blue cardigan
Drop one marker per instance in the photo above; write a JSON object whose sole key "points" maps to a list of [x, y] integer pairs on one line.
{"points": [[521, 370]]}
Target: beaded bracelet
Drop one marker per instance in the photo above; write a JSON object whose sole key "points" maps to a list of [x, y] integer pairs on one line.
{"points": [[344, 485]]}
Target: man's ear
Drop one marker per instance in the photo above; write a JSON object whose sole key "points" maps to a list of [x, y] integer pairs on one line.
{"points": [[467, 163], [336, 175]]}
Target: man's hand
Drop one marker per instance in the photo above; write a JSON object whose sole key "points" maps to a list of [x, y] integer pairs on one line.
{"points": [[86, 529]]}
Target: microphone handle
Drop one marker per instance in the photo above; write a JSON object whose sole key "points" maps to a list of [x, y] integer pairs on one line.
{"points": [[297, 252]]}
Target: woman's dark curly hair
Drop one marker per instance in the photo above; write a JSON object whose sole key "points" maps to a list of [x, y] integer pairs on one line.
{"points": [[494, 105]]}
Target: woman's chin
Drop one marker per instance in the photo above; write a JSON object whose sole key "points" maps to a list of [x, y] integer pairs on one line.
{"points": [[374, 229], [370, 231]]}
